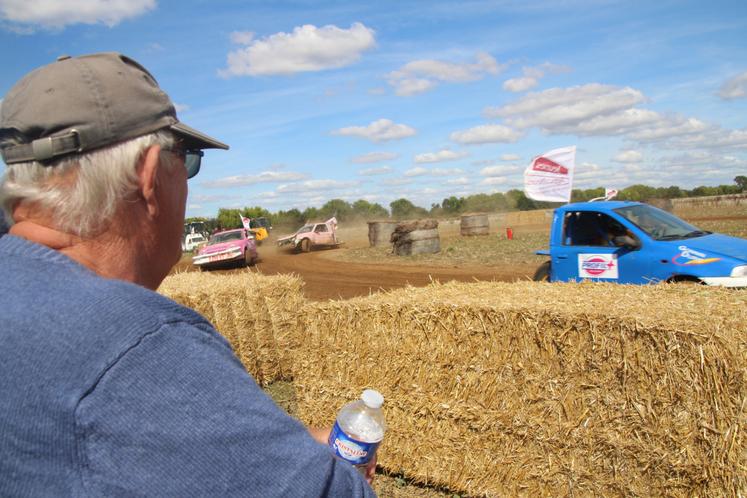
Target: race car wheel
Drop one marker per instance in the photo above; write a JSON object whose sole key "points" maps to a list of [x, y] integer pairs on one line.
{"points": [[543, 273], [305, 245]]}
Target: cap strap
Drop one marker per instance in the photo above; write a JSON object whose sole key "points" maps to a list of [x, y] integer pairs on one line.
{"points": [[42, 149]]}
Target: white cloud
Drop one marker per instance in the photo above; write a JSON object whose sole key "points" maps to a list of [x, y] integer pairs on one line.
{"points": [[375, 171], [446, 171], [419, 171], [510, 157], [532, 75], [312, 185], [603, 110], [181, 107], [486, 134], [57, 14], [244, 180], [440, 156], [665, 128], [422, 75], [242, 37], [494, 180], [563, 109], [394, 182], [520, 84], [381, 130], [702, 158], [307, 48], [628, 156], [734, 88], [374, 157], [499, 170], [712, 138], [462, 180]]}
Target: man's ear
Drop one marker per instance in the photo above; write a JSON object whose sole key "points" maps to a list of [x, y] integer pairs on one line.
{"points": [[147, 171]]}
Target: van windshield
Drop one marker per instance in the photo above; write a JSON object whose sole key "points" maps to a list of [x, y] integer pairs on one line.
{"points": [[659, 224]]}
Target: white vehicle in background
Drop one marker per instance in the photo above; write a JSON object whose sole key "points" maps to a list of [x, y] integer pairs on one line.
{"points": [[312, 235], [193, 241]]}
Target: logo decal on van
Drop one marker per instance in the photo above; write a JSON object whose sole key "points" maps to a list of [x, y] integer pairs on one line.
{"points": [[689, 257], [597, 266]]}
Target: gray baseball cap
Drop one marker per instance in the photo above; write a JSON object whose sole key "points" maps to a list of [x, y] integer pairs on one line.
{"points": [[77, 104]]}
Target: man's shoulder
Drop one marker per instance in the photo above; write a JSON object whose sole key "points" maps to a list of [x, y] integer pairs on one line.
{"points": [[140, 303]]}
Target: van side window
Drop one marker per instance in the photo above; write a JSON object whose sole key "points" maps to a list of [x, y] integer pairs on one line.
{"points": [[582, 228], [320, 228]]}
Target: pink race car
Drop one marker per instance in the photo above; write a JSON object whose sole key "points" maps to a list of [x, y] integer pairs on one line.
{"points": [[226, 248]]}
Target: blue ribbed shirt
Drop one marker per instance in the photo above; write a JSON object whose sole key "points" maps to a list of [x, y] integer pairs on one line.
{"points": [[110, 389]]}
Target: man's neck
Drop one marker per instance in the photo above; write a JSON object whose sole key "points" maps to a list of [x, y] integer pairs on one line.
{"points": [[108, 255]]}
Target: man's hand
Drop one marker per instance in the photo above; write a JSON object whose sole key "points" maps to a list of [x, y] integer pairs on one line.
{"points": [[322, 436]]}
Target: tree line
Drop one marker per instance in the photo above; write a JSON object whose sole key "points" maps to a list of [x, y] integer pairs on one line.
{"points": [[402, 209]]}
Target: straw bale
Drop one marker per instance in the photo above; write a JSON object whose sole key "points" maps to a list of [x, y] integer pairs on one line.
{"points": [[500, 389], [474, 224], [380, 232], [416, 237], [404, 227], [257, 314]]}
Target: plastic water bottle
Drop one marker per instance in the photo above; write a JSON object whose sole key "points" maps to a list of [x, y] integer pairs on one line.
{"points": [[359, 429]]}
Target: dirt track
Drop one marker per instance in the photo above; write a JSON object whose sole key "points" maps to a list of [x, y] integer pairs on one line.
{"points": [[328, 279]]}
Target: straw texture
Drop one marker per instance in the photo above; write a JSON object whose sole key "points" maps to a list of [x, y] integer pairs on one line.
{"points": [[542, 389], [257, 314]]}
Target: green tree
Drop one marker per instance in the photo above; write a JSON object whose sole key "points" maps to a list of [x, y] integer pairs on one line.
{"points": [[342, 210], [365, 210], [453, 205], [288, 220], [229, 218], [311, 214], [256, 212], [741, 182], [403, 209], [637, 192]]}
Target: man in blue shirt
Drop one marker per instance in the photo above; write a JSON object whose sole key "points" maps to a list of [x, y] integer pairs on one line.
{"points": [[106, 387]]}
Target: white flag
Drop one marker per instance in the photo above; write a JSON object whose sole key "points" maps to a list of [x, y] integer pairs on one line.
{"points": [[550, 176], [609, 193], [246, 222]]}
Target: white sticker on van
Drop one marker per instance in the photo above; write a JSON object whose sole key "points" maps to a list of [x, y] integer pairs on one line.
{"points": [[597, 266]]}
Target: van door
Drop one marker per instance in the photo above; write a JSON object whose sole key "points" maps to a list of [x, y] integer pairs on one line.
{"points": [[588, 251]]}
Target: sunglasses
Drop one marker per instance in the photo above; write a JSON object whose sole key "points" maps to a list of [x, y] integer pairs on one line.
{"points": [[192, 159]]}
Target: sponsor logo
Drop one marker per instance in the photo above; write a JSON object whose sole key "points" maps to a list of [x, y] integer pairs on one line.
{"points": [[545, 164], [349, 450], [597, 266], [690, 257]]}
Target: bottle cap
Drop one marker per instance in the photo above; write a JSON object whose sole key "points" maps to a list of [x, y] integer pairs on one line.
{"points": [[372, 399]]}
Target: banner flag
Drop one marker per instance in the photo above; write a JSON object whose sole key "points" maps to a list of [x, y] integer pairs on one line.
{"points": [[550, 176], [246, 222], [610, 193]]}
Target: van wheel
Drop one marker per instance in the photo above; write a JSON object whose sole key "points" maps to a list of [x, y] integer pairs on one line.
{"points": [[543, 273], [687, 281], [305, 245]]}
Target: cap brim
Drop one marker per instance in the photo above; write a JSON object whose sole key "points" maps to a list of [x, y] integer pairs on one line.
{"points": [[196, 139]]}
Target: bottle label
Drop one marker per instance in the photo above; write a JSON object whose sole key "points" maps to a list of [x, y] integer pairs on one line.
{"points": [[349, 449]]}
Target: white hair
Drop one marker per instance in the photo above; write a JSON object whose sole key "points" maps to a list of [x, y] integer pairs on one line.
{"points": [[81, 192]]}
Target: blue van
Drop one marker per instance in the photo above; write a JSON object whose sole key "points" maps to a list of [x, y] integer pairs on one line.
{"points": [[635, 243]]}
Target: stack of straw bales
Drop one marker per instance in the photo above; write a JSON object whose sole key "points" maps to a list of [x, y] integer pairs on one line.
{"points": [[257, 314], [543, 389], [415, 237]]}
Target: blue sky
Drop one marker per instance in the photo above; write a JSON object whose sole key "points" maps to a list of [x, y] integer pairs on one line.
{"points": [[421, 99]]}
